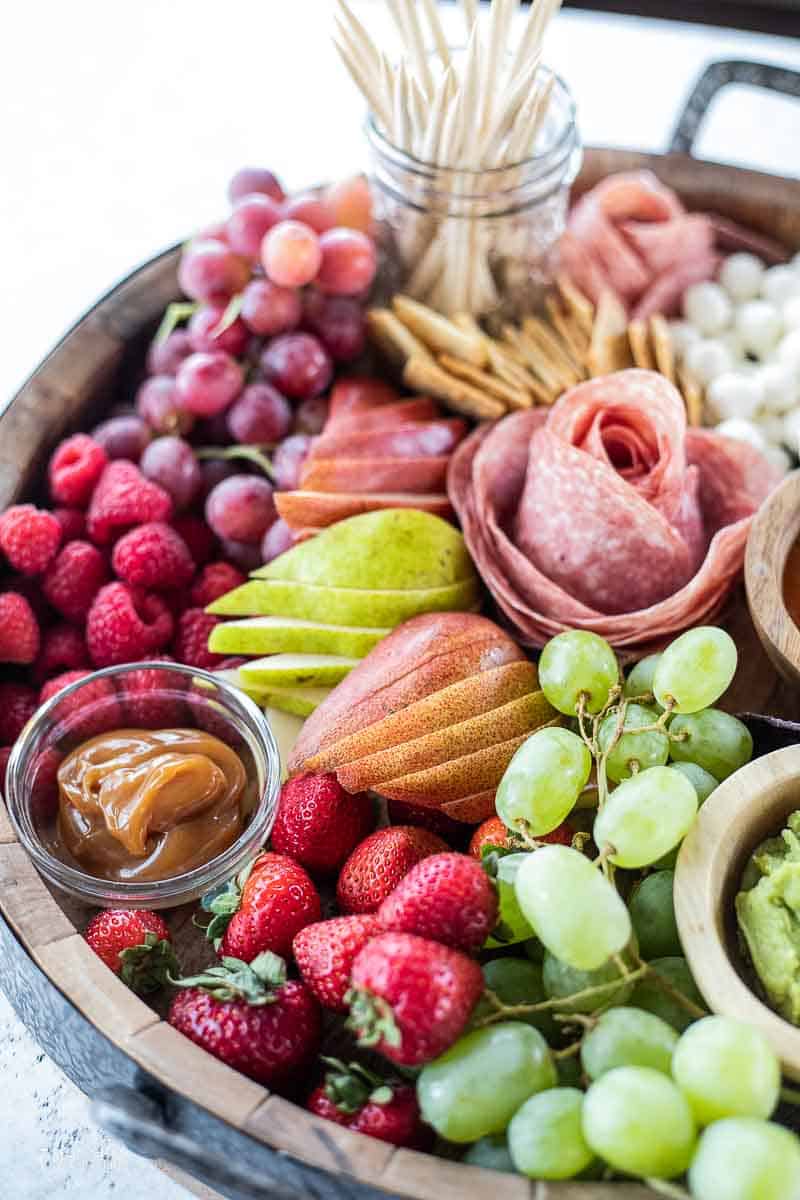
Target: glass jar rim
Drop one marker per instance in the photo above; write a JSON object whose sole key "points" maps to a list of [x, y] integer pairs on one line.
{"points": [[223, 865]]}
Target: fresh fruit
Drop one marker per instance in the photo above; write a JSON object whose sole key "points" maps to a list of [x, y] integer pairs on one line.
{"points": [[376, 866], [300, 701], [268, 309], [277, 540], [74, 469], [310, 209], [640, 680], [263, 909], [545, 1136], [154, 556], [310, 416], [74, 578], [359, 1100], [561, 981], [209, 330], [628, 1037], [410, 997], [209, 270], [197, 535], [512, 924], [475, 1088], [447, 898], [214, 580], [18, 703], [515, 981], [63, 647], [19, 630], [288, 460], [290, 635], [325, 953], [726, 1069], [166, 354], [318, 823], [208, 382], [123, 497], [29, 538], [306, 509], [297, 364], [250, 1018], [491, 1153], [742, 1158], [695, 669], [125, 624], [291, 254], [91, 709], [492, 833], [633, 750], [241, 508], [543, 781], [125, 436], [653, 916], [714, 740], [574, 664], [296, 670], [350, 201], [426, 473], [638, 1122], [645, 817], [595, 923], [248, 180], [261, 415], [348, 263], [158, 404], [252, 216], [134, 944], [338, 322], [170, 462], [154, 698], [72, 522], [190, 644], [649, 996], [702, 781]]}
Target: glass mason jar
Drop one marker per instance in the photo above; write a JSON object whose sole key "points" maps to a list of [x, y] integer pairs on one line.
{"points": [[476, 241]]}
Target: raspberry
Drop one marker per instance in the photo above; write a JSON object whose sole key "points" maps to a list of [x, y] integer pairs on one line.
{"points": [[92, 709], [29, 538], [74, 579], [191, 640], [72, 522], [153, 698], [19, 630], [63, 649], [214, 581], [153, 556], [126, 624], [5, 753], [123, 497], [18, 703], [74, 470], [197, 535]]}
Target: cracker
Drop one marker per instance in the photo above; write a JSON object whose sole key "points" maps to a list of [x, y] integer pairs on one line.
{"points": [[392, 337], [429, 378], [438, 333]]}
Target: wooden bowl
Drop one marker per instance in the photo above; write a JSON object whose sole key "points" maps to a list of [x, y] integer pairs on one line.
{"points": [[773, 533], [751, 805]]}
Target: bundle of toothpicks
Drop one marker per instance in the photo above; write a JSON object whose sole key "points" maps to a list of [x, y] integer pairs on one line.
{"points": [[474, 119]]}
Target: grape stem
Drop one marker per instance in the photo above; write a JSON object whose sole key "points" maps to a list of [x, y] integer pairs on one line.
{"points": [[667, 1189], [568, 1051], [504, 1012], [674, 993], [253, 454], [790, 1095]]}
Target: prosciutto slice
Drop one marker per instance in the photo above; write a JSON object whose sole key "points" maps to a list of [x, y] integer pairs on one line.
{"points": [[607, 513]]}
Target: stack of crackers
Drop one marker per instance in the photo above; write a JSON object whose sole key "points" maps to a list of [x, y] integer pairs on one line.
{"points": [[485, 377]]}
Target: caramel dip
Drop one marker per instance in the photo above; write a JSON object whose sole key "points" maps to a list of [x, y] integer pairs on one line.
{"points": [[138, 804]]}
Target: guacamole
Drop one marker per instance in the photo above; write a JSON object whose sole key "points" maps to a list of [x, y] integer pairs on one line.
{"points": [[768, 911]]}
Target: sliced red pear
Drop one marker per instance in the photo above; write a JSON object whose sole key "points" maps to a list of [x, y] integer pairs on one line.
{"points": [[375, 474], [357, 392], [476, 772], [413, 440], [471, 809], [304, 509], [386, 416]]}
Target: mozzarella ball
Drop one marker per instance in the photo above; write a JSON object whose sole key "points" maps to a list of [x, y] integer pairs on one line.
{"points": [[733, 340], [779, 283], [707, 307], [706, 359], [683, 336], [743, 431], [733, 394], [791, 313], [780, 387], [780, 458], [741, 276], [791, 430], [788, 352], [771, 425], [759, 325]]}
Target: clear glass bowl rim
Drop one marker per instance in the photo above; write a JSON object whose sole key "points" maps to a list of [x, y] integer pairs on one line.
{"points": [[177, 887]]}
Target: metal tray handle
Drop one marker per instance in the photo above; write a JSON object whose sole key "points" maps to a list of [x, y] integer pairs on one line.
{"points": [[713, 79]]}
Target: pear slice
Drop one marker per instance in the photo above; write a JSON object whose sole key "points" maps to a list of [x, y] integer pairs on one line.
{"points": [[301, 701], [296, 670], [231, 675], [425, 474], [393, 548], [465, 776], [471, 809], [346, 606], [286, 730], [314, 510], [289, 635]]}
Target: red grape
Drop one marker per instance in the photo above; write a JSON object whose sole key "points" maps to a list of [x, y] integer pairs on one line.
{"points": [[164, 358], [213, 471], [209, 270], [170, 462], [123, 437], [268, 309], [215, 230], [311, 210], [207, 383], [298, 364], [261, 415], [244, 555], [241, 508], [338, 321], [252, 216], [291, 254], [203, 336], [212, 431], [350, 201], [311, 416], [254, 179], [348, 264], [288, 460], [278, 538], [157, 403]]}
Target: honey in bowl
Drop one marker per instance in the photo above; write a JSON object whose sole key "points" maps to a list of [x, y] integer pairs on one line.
{"points": [[791, 583]]}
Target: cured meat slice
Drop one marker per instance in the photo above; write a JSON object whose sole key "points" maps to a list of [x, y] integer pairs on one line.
{"points": [[385, 416], [730, 235], [377, 474], [416, 439], [662, 244], [665, 292], [307, 509]]}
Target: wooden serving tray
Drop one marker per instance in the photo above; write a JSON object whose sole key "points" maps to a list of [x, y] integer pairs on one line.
{"points": [[151, 1086]]}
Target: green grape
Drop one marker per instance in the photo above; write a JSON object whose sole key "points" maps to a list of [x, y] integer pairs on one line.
{"points": [[515, 981], [543, 781], [638, 1121], [560, 979], [743, 1158], [649, 996], [645, 816], [534, 950], [647, 749], [726, 1069], [491, 1153], [511, 925], [476, 1086], [653, 915], [640, 679], [574, 910], [701, 780], [716, 741], [695, 669], [577, 662], [545, 1136], [628, 1037]]}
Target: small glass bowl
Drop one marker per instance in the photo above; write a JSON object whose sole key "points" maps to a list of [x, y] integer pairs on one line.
{"points": [[89, 707]]}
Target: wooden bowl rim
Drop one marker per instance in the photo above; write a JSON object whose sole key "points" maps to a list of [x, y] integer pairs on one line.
{"points": [[764, 565]]}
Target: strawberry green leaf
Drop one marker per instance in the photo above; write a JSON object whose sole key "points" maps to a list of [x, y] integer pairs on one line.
{"points": [[147, 967]]}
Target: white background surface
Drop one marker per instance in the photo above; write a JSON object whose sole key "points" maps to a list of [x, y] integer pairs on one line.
{"points": [[120, 122]]}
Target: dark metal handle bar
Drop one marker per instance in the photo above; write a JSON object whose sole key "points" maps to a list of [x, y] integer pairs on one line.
{"points": [[714, 78]]}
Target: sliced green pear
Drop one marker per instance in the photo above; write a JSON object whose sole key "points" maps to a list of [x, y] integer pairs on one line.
{"points": [[346, 606], [231, 675], [392, 548], [301, 701], [289, 635], [286, 730], [296, 670]]}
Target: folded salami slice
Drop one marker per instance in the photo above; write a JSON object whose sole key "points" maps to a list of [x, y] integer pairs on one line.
{"points": [[607, 514]]}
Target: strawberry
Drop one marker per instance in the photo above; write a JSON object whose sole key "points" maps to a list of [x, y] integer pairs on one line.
{"points": [[318, 823], [359, 1100], [250, 1017], [410, 997], [134, 944], [377, 865], [427, 817], [448, 898], [492, 833], [262, 909], [325, 952]]}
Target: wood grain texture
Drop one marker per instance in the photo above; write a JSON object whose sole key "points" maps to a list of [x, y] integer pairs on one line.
{"points": [[26, 903], [7, 833], [106, 1001], [774, 531]]}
